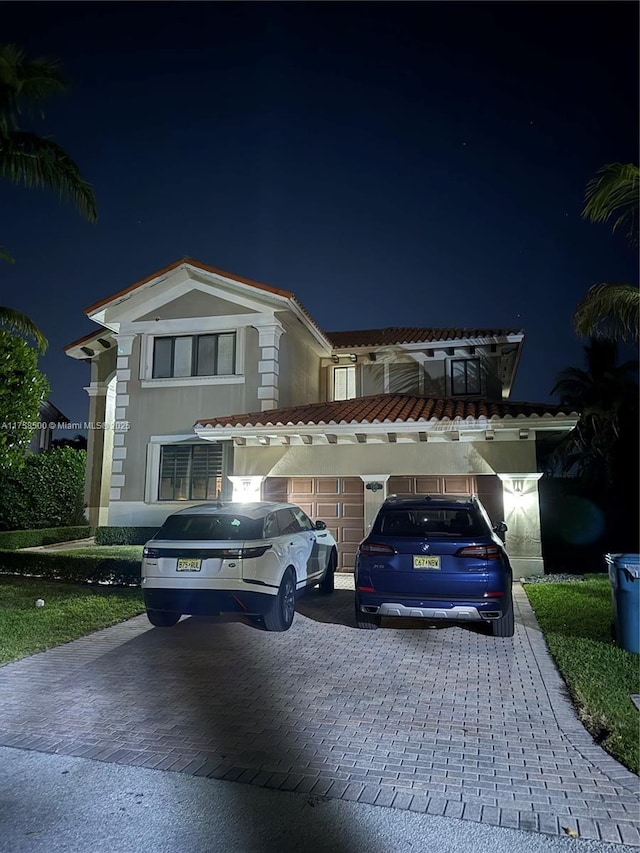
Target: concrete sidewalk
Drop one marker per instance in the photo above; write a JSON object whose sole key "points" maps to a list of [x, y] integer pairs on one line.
{"points": [[58, 804]]}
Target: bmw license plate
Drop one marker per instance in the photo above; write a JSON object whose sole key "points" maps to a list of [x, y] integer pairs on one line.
{"points": [[189, 565], [426, 562]]}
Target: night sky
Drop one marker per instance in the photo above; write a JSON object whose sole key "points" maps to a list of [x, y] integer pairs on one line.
{"points": [[417, 164]]}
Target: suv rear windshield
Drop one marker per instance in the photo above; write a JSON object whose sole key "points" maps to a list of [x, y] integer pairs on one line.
{"points": [[222, 527], [418, 523]]}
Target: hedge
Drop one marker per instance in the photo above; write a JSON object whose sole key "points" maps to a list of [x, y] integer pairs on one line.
{"points": [[124, 535], [11, 540], [69, 567]]}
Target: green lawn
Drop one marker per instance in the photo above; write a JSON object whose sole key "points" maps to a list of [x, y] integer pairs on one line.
{"points": [[128, 552], [70, 611], [576, 621]]}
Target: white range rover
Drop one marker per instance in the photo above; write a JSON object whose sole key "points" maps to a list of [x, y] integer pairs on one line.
{"points": [[244, 558]]}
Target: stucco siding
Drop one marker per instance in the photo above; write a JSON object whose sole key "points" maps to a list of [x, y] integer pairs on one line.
{"points": [[348, 460], [299, 379]]}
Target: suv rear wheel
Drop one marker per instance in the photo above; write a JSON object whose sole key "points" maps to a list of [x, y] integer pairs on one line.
{"points": [[327, 584], [162, 618], [280, 614], [368, 621], [503, 627]]}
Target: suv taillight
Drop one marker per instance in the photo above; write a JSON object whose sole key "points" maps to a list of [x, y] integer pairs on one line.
{"points": [[371, 549], [252, 553], [480, 552]]}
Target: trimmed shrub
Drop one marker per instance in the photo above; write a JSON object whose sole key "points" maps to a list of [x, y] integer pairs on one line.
{"points": [[47, 491], [70, 567], [124, 535], [11, 540]]}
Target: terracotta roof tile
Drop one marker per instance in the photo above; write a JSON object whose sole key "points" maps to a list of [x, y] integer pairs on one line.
{"points": [[400, 335], [395, 408]]}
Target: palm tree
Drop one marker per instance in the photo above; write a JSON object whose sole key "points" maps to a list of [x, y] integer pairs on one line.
{"points": [[25, 157], [14, 321], [604, 394], [31, 160], [612, 310]]}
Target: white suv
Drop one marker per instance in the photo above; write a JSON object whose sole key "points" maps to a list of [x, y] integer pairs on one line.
{"points": [[245, 558]]}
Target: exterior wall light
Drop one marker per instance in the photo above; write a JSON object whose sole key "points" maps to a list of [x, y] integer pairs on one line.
{"points": [[374, 487]]}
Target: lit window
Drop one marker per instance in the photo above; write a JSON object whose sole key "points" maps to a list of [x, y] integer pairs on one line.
{"points": [[344, 383], [465, 376], [199, 355], [190, 473]]}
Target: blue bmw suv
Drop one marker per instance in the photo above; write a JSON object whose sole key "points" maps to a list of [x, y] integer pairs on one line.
{"points": [[434, 557]]}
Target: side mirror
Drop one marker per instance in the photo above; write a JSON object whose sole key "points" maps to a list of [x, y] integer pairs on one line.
{"points": [[320, 525], [500, 527]]}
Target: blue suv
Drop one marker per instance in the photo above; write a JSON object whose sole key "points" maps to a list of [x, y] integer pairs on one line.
{"points": [[434, 557]]}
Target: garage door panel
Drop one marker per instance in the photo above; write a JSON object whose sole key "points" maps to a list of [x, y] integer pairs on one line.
{"points": [[401, 485], [428, 485], [351, 486], [459, 485], [351, 510], [328, 510], [326, 486]]}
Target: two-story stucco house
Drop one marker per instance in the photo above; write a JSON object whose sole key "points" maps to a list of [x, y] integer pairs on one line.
{"points": [[221, 386]]}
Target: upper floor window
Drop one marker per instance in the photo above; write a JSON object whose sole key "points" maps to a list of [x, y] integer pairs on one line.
{"points": [[344, 383], [190, 472], [465, 376], [194, 355]]}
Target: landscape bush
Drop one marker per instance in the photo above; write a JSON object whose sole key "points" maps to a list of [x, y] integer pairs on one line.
{"points": [[11, 540], [46, 491], [124, 535], [69, 567]]}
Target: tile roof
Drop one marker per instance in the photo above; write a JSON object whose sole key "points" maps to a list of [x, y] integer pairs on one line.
{"points": [[402, 335], [395, 408]]}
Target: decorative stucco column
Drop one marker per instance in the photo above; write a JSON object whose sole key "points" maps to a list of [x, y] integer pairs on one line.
{"points": [[246, 489], [102, 399], [269, 365], [522, 517], [375, 491], [123, 376]]}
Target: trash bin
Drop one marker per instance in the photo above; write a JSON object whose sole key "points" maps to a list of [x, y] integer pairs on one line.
{"points": [[624, 574]]}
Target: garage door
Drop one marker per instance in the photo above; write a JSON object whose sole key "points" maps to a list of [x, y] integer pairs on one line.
{"points": [[338, 501]]}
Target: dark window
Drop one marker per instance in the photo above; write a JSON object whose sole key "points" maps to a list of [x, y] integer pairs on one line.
{"points": [[303, 520], [287, 522], [465, 376], [220, 527], [190, 473], [199, 355], [414, 523]]}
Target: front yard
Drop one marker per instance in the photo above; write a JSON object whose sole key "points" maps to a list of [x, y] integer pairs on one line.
{"points": [[575, 619], [70, 611]]}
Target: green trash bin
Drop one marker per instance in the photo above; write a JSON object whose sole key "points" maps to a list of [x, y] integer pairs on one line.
{"points": [[624, 574]]}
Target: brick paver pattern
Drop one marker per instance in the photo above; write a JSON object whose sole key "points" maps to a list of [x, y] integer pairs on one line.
{"points": [[445, 720]]}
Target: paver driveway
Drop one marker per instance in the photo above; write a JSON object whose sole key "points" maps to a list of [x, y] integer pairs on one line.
{"points": [[447, 720]]}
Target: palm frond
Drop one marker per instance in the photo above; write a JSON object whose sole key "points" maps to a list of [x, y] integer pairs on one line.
{"points": [[613, 193], [20, 323], [25, 83], [5, 256], [34, 161], [609, 311]]}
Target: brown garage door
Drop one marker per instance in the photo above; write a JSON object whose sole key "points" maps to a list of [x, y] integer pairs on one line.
{"points": [[339, 501]]}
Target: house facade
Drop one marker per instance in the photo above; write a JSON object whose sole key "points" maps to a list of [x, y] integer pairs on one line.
{"points": [[208, 385]]}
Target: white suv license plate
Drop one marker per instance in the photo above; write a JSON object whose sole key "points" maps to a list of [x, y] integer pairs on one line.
{"points": [[426, 562], [185, 565]]}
